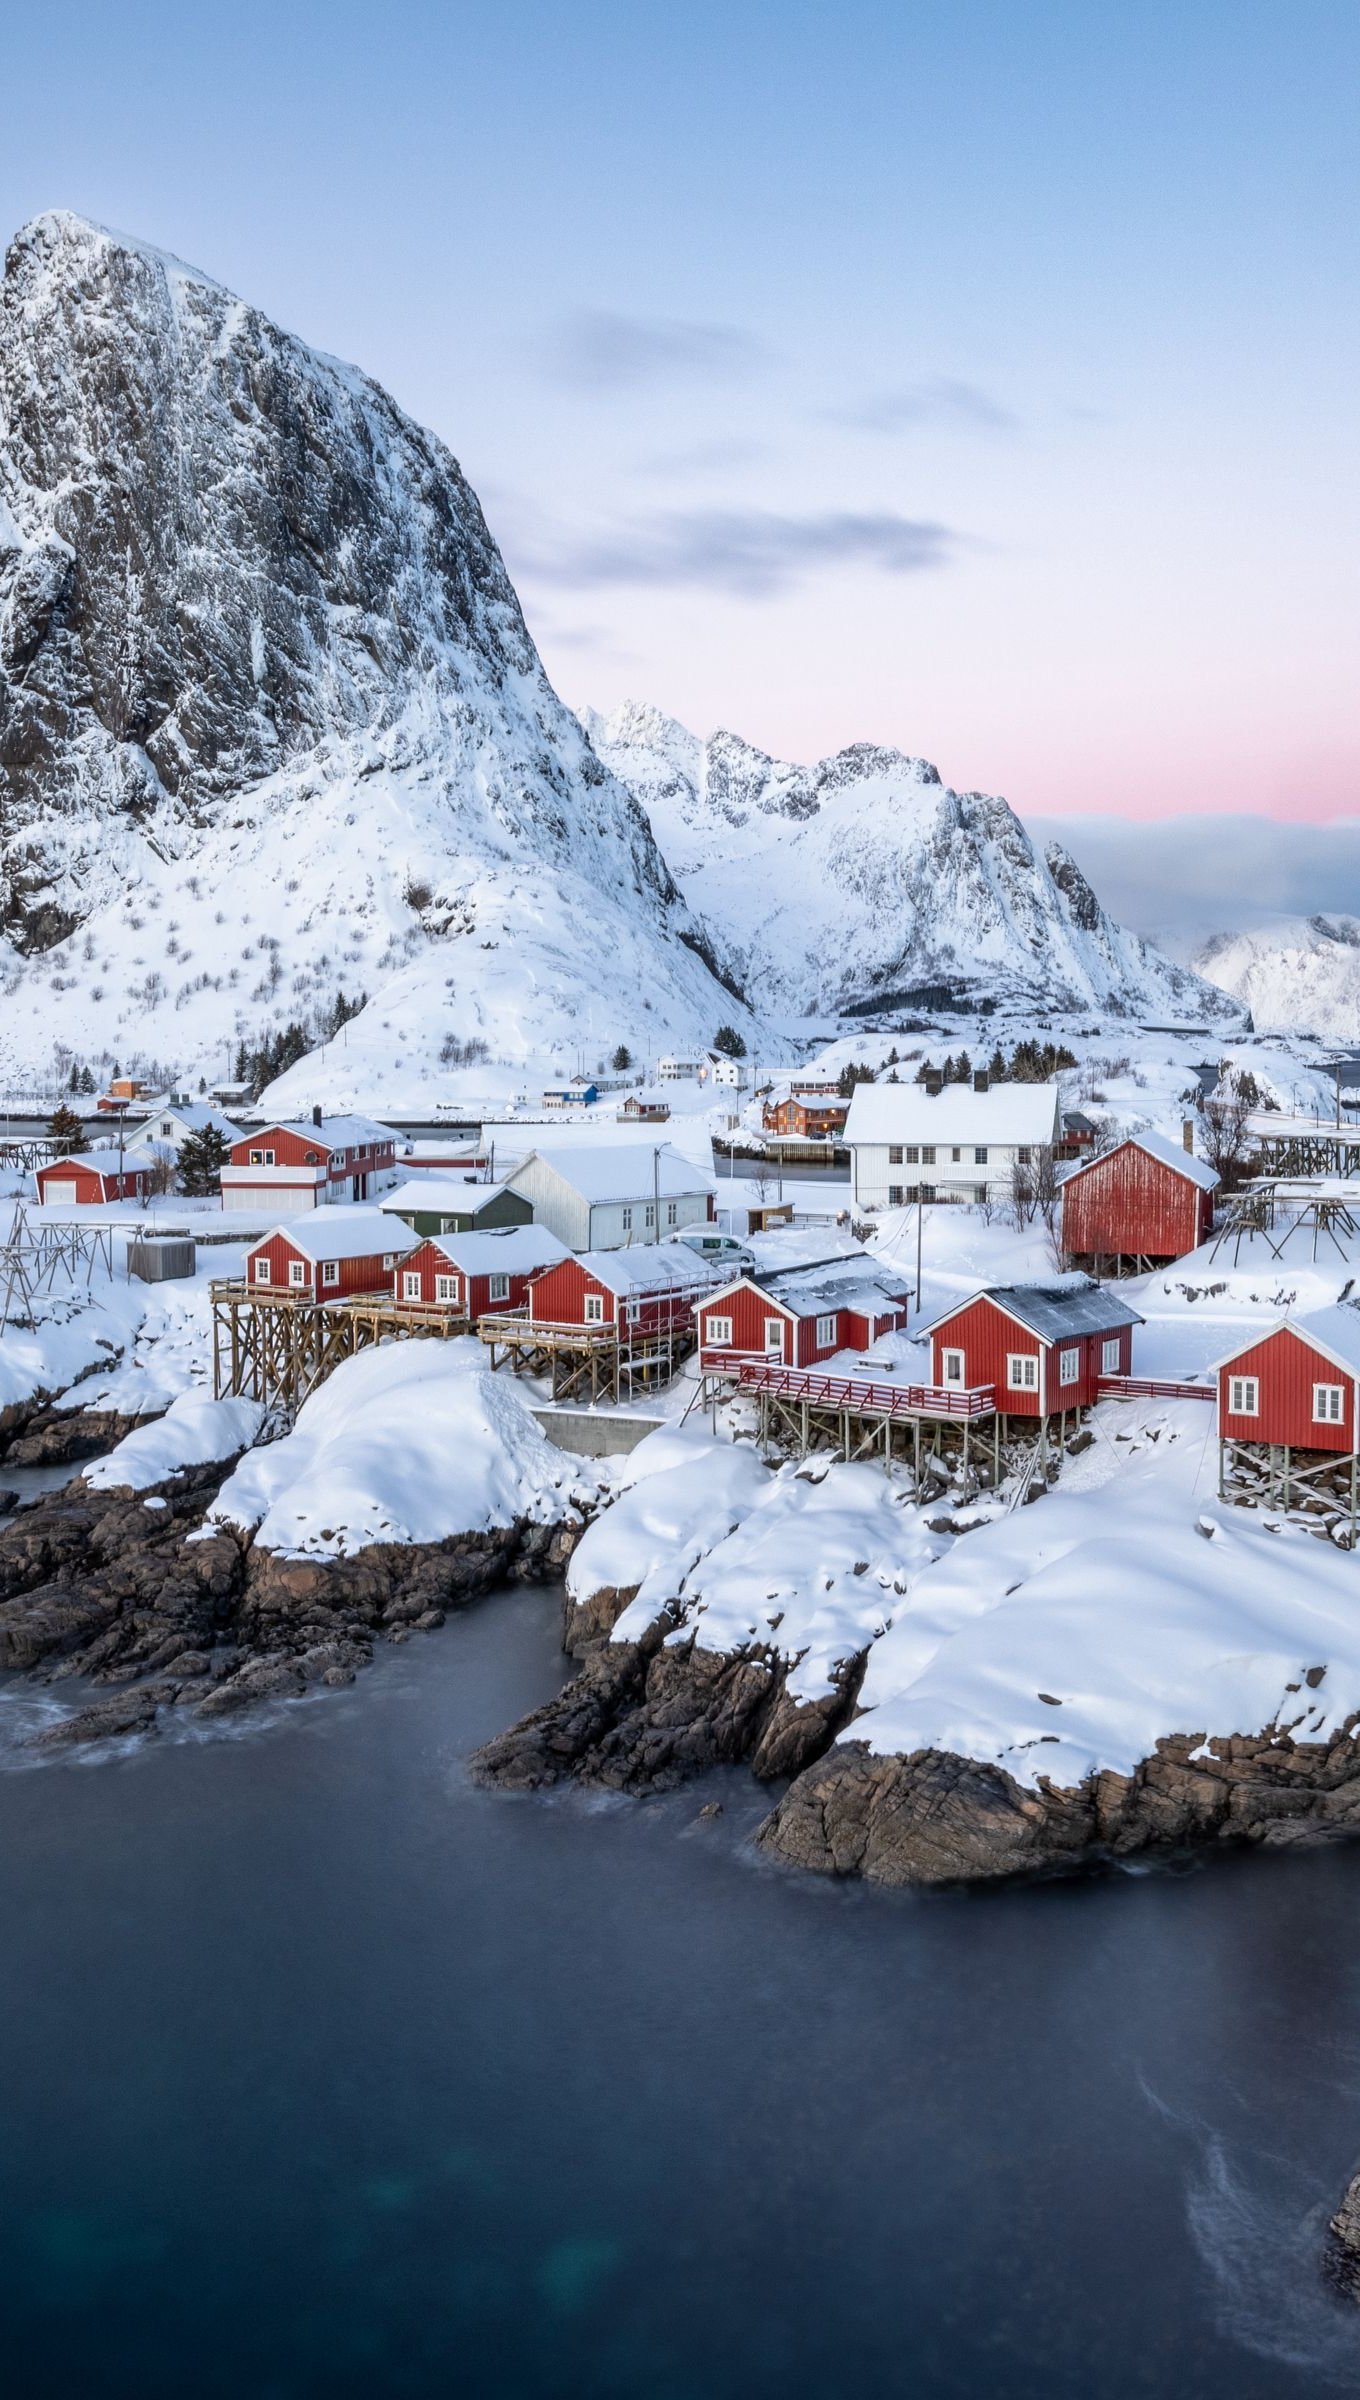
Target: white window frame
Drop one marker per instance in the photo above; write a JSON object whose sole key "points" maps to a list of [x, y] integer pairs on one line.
{"points": [[911, 1154], [894, 1154], [412, 1287], [953, 1369], [1244, 1396], [671, 1212], [1069, 1363], [1109, 1355], [330, 1270], [1329, 1404], [649, 1216], [297, 1274], [627, 1220], [498, 1287], [827, 1328], [979, 1154], [718, 1333], [895, 1191], [774, 1337], [446, 1290], [263, 1271], [927, 1154], [1022, 1371], [592, 1309]]}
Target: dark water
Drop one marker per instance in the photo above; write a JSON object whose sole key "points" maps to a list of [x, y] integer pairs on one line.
{"points": [[324, 2074]]}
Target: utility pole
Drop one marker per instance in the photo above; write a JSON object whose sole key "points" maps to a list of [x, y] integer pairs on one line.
{"points": [[656, 1192], [920, 1215]]}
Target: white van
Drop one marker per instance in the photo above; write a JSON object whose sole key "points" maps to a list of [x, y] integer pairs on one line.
{"points": [[723, 1248]]}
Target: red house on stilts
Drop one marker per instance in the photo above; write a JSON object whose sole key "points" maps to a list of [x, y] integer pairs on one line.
{"points": [[1137, 1206], [1289, 1416], [1042, 1348]]}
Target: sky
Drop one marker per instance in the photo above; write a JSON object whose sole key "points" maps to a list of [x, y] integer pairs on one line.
{"points": [[974, 378]]}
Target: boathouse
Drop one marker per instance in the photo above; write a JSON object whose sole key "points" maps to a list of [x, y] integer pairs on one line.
{"points": [[1289, 1417], [1145, 1202], [476, 1274], [1042, 1348], [798, 1316], [330, 1254]]}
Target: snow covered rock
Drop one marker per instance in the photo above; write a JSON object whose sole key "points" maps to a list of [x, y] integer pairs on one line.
{"points": [[271, 723], [1299, 974], [916, 887]]}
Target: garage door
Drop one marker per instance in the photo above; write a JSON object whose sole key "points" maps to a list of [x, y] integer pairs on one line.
{"points": [[60, 1195]]}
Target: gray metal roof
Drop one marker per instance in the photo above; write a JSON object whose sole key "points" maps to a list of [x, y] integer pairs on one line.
{"points": [[1055, 1311]]}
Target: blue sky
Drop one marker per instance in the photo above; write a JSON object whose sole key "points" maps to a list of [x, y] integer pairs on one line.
{"points": [[978, 378]]}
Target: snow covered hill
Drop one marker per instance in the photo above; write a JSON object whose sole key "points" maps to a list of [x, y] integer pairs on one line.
{"points": [[271, 724], [864, 876], [1296, 974]]}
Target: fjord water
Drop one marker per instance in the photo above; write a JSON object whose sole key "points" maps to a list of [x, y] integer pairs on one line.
{"points": [[324, 2073]]}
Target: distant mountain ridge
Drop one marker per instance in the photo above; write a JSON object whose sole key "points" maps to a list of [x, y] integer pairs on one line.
{"points": [[1295, 973], [864, 878]]}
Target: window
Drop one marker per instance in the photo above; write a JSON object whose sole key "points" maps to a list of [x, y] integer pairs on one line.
{"points": [[1023, 1154], [389, 1260], [649, 1217], [446, 1289], [309, 1158], [926, 1192], [719, 1332], [670, 1212], [894, 1154], [628, 1220], [297, 1270], [1109, 1356], [979, 1193], [980, 1155], [826, 1333], [894, 1195], [166, 1125], [498, 1286], [330, 1270], [927, 1154], [952, 1368], [955, 1157], [1244, 1396], [1069, 1364], [774, 1337], [1022, 1371], [1329, 1403], [410, 1284], [262, 1270], [594, 1309]]}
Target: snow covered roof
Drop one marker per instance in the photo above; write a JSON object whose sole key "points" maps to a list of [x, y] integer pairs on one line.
{"points": [[818, 1285], [1055, 1310], [1159, 1146], [451, 1194], [1334, 1331], [333, 1133], [104, 1160], [196, 1116], [622, 1171], [652, 1267], [502, 1250], [1006, 1113], [343, 1233]]}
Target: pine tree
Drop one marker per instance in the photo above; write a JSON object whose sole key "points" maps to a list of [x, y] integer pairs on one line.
{"points": [[202, 1157], [622, 1059], [728, 1042], [66, 1131]]}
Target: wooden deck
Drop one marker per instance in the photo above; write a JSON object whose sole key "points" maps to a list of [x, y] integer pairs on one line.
{"points": [[278, 1346], [585, 1362]]}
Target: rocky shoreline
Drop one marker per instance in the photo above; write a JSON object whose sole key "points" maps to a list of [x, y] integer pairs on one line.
{"points": [[134, 1592]]}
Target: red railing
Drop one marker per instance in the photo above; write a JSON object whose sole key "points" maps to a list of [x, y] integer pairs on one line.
{"points": [[1145, 1387], [864, 1398]]}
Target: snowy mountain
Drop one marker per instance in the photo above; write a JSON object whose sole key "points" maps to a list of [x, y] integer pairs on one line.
{"points": [[271, 724], [1295, 974], [865, 878]]}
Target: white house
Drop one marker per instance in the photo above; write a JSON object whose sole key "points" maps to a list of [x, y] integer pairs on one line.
{"points": [[614, 1195], [171, 1125], [732, 1072], [956, 1141], [677, 1070]]}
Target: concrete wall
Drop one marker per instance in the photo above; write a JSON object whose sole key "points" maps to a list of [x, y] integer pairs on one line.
{"points": [[589, 1434]]}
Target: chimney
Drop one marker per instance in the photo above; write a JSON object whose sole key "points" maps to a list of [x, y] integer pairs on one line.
{"points": [[316, 1116], [934, 1083], [1188, 1134], [982, 1081]]}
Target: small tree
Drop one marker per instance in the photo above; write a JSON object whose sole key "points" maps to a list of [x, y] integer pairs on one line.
{"points": [[851, 1075], [622, 1059], [202, 1157], [1224, 1136], [66, 1131], [728, 1042]]}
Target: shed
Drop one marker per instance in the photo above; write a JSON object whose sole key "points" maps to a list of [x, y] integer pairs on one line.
{"points": [[1041, 1347], [1294, 1387], [91, 1178], [433, 1204], [476, 1274], [330, 1254], [608, 1195], [1141, 1204]]}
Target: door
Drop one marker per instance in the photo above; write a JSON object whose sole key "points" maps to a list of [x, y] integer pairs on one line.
{"points": [[59, 1195], [774, 1337]]}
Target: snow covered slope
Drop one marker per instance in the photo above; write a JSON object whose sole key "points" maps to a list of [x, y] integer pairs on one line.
{"points": [[864, 876], [1297, 974], [271, 723]]}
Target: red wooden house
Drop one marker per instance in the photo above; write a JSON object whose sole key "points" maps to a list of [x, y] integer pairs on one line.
{"points": [[1139, 1205], [806, 1117], [287, 1168], [90, 1177], [1294, 1388], [1041, 1347], [647, 1290], [476, 1274], [330, 1254], [798, 1316]]}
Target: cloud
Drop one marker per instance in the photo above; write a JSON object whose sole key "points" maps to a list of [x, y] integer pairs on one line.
{"points": [[715, 457], [752, 552], [1179, 878], [934, 400], [602, 351]]}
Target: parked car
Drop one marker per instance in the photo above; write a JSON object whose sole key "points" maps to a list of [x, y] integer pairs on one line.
{"points": [[723, 1248]]}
